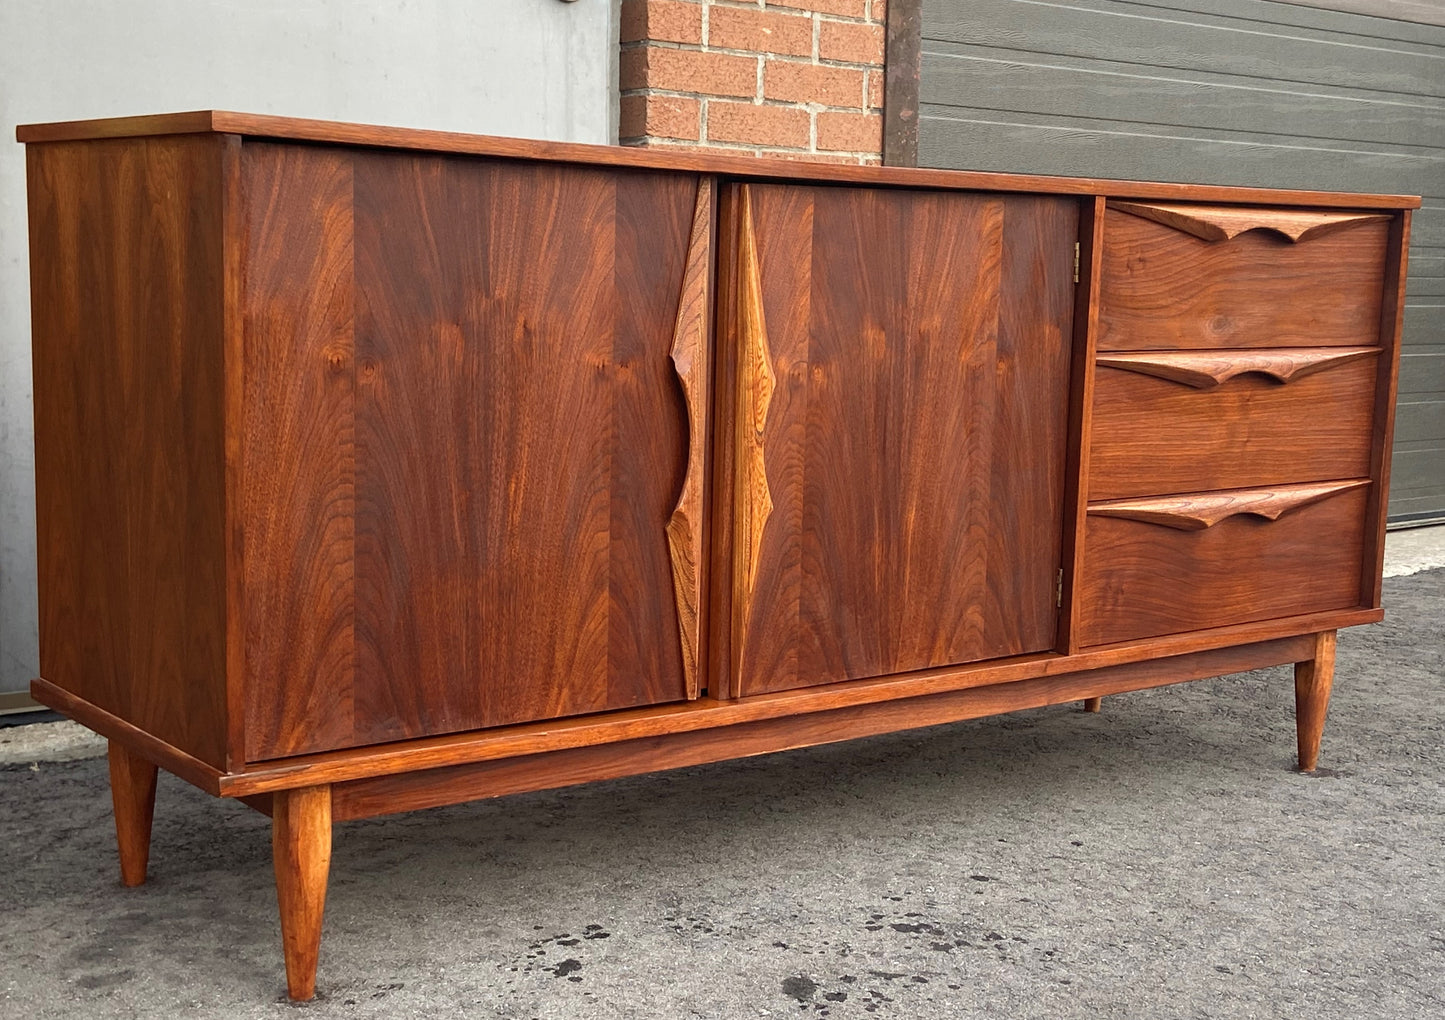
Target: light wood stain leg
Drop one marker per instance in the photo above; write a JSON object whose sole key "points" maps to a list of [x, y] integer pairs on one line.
{"points": [[1093, 704], [301, 847], [133, 793], [1312, 681]]}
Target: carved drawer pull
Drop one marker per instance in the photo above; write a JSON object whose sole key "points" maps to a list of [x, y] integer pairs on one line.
{"points": [[690, 362], [1221, 223], [1200, 510], [1206, 369]]}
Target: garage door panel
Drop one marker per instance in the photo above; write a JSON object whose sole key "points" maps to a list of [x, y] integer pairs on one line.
{"points": [[1087, 87], [1188, 40]]}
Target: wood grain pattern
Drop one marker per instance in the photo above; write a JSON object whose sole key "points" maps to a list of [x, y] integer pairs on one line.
{"points": [[1142, 580], [756, 383], [198, 773], [1206, 369], [1163, 289], [1313, 678], [915, 443], [1222, 223], [262, 778], [1199, 510], [1387, 386], [415, 790], [298, 496], [301, 854], [691, 350], [126, 271], [706, 713], [745, 168], [1151, 435], [520, 441], [1078, 465], [133, 796]]}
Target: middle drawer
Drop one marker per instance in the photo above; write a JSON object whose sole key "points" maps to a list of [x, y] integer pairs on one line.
{"points": [[1191, 421]]}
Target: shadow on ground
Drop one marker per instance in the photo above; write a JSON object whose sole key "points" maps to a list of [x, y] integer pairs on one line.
{"points": [[1161, 859]]}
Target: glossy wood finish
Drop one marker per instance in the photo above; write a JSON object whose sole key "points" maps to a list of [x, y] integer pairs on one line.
{"points": [[1153, 435], [133, 795], [692, 361], [262, 778], [1387, 385], [911, 450], [416, 790], [129, 467], [1141, 579], [1164, 288], [301, 851], [1078, 463], [706, 713], [1205, 370], [1200, 510], [756, 383], [1313, 678], [1223, 223], [253, 125], [523, 568], [298, 500]]}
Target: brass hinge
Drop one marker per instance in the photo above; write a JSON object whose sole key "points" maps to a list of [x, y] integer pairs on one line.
{"points": [[1076, 261], [1059, 590]]}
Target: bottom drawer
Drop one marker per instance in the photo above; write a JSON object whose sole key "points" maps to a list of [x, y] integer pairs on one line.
{"points": [[1164, 565]]}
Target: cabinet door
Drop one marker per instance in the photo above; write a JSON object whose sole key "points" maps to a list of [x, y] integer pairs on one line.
{"points": [[466, 442], [899, 401]]}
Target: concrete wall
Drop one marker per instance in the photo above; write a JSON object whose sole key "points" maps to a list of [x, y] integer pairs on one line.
{"points": [[533, 68]]}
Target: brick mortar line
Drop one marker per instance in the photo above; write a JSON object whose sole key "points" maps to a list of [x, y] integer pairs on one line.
{"points": [[810, 107], [782, 58], [805, 12]]}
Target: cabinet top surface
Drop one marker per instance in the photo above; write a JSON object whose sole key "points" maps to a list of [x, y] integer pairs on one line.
{"points": [[749, 167]]}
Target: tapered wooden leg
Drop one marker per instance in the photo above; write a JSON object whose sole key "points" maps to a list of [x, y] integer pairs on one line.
{"points": [[301, 848], [133, 794], [1093, 704], [1312, 681]]}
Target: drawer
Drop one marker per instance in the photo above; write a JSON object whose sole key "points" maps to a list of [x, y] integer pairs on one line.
{"points": [[1181, 563], [1181, 276], [1192, 421]]}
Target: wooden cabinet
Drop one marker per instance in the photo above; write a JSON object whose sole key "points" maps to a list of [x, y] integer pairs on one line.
{"points": [[383, 469]]}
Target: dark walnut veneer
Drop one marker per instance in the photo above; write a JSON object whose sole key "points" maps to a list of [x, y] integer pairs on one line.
{"points": [[383, 469]]}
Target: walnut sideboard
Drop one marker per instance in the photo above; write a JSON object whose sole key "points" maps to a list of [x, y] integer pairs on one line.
{"points": [[382, 469]]}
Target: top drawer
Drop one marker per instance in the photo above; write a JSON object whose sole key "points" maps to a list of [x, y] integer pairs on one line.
{"points": [[1178, 275]]}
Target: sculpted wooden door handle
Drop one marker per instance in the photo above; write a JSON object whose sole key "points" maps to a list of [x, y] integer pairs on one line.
{"points": [[757, 380], [690, 361], [1206, 369], [1200, 510], [1222, 223]]}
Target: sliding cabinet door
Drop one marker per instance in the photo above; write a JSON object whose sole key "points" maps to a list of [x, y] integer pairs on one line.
{"points": [[897, 383]]}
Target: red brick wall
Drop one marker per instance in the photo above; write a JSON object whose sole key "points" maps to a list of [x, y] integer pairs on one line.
{"points": [[800, 79]]}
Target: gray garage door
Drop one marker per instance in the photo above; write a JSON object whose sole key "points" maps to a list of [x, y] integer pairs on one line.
{"points": [[1249, 92]]}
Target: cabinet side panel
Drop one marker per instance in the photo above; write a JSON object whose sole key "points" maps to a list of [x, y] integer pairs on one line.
{"points": [[127, 305], [299, 464]]}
